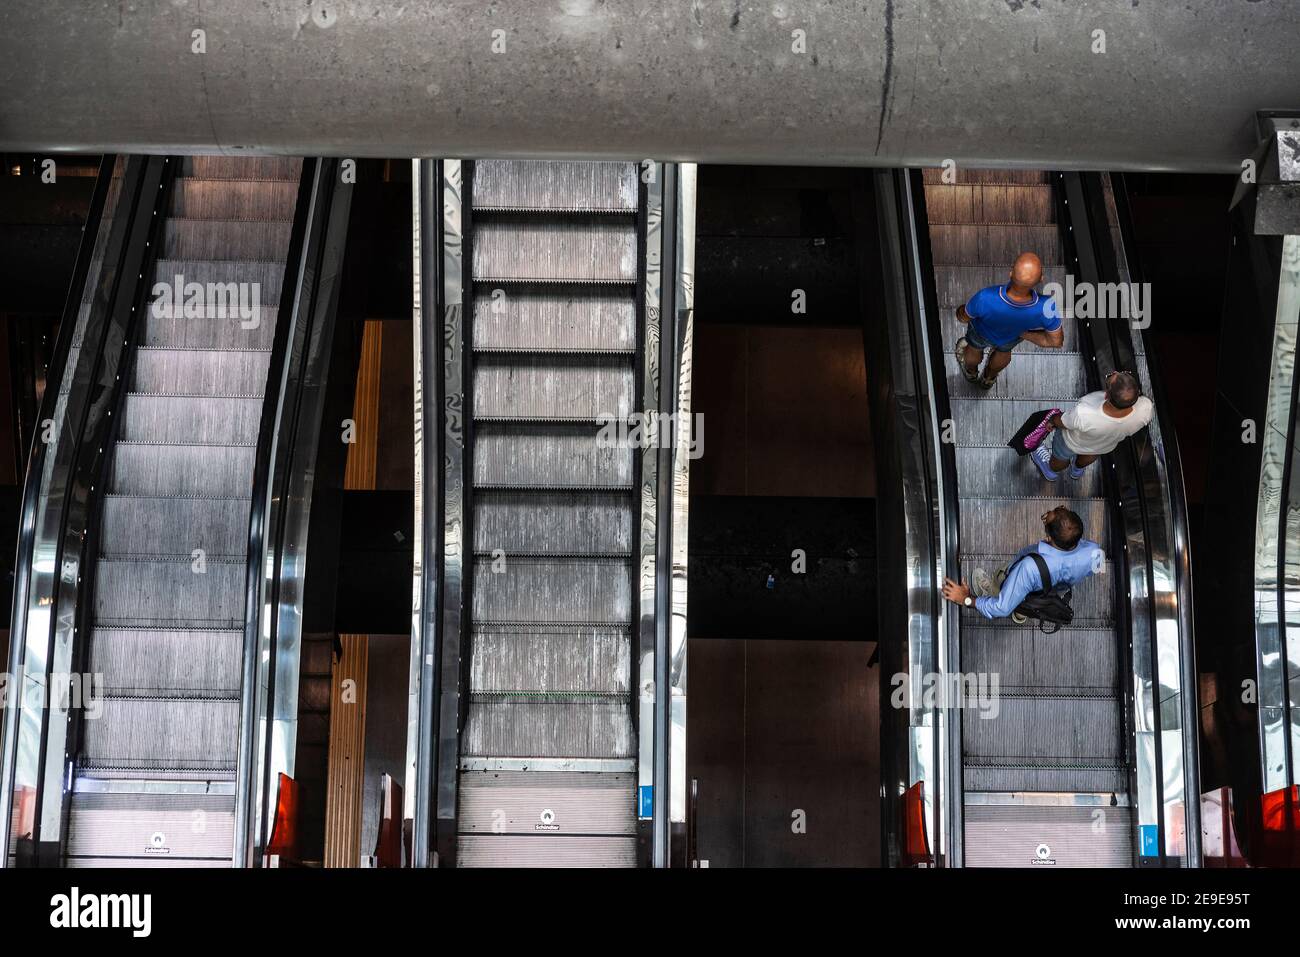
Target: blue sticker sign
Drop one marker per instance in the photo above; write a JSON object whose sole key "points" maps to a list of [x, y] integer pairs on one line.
{"points": [[1150, 835], [647, 801]]}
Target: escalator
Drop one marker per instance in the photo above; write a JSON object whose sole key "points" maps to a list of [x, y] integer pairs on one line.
{"points": [[1086, 759], [1060, 726], [174, 565], [166, 628], [536, 736], [554, 342]]}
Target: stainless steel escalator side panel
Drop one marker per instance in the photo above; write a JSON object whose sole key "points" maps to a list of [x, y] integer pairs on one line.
{"points": [[648, 482], [688, 432], [44, 490], [1278, 654], [1146, 478], [299, 397], [434, 697], [919, 633]]}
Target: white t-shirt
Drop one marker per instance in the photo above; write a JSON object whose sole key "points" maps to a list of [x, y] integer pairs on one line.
{"points": [[1088, 430]]}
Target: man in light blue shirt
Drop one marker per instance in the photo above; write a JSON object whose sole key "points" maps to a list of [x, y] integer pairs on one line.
{"points": [[1070, 558]]}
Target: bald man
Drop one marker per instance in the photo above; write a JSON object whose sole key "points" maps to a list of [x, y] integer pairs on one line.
{"points": [[999, 318]]}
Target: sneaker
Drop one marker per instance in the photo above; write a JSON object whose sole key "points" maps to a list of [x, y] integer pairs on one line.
{"points": [[986, 384], [1018, 618], [1042, 457], [981, 584], [960, 352], [1076, 473]]}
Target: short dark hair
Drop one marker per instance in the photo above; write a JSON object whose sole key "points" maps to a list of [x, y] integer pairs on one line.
{"points": [[1064, 528], [1122, 390]]}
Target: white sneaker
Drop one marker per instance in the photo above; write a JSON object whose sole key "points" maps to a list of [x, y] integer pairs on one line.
{"points": [[981, 584], [1042, 457]]}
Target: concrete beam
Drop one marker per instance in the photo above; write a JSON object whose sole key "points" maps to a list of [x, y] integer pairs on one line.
{"points": [[875, 82]]}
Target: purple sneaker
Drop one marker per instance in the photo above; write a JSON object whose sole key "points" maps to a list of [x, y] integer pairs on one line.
{"points": [[1042, 457]]}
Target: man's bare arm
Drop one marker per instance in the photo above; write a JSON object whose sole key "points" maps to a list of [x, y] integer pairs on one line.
{"points": [[1045, 340]]}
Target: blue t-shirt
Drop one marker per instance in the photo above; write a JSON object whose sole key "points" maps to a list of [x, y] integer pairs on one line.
{"points": [[999, 320], [1066, 568]]}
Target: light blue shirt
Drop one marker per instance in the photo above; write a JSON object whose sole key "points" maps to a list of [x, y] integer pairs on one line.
{"points": [[1066, 568]]}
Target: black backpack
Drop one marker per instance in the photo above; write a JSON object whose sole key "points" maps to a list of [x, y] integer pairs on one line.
{"points": [[1051, 608]]}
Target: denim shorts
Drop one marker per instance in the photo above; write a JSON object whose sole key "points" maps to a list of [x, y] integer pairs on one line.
{"points": [[979, 342], [1060, 450]]}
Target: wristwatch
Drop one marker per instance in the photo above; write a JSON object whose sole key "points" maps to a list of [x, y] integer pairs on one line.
{"points": [[968, 601]]}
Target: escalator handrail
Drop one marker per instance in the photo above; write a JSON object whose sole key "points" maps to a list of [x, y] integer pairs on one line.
{"points": [[1094, 227], [54, 373], [144, 187], [1182, 549], [266, 544], [928, 335]]}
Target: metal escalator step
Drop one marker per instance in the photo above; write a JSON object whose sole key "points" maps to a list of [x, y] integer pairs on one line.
{"points": [[996, 470], [1069, 834], [555, 591], [588, 318], [168, 594], [586, 810], [1048, 374], [534, 454], [1005, 525], [973, 243], [162, 662], [543, 659], [185, 738], [596, 728], [553, 523], [594, 249], [260, 168], [264, 277], [1081, 659], [200, 420], [556, 185], [209, 330], [217, 239], [150, 829], [233, 199], [1092, 598], [202, 372], [954, 330], [985, 420], [955, 284], [215, 471], [963, 175], [162, 527], [553, 386], [1044, 732], [996, 205], [1112, 779]]}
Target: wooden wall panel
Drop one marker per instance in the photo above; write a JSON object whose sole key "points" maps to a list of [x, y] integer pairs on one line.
{"points": [[347, 759]]}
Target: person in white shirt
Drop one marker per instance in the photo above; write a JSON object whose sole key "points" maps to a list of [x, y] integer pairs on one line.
{"points": [[1095, 426]]}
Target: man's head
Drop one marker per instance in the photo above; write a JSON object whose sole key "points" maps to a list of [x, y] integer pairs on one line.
{"points": [[1064, 527], [1027, 271], [1122, 389]]}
